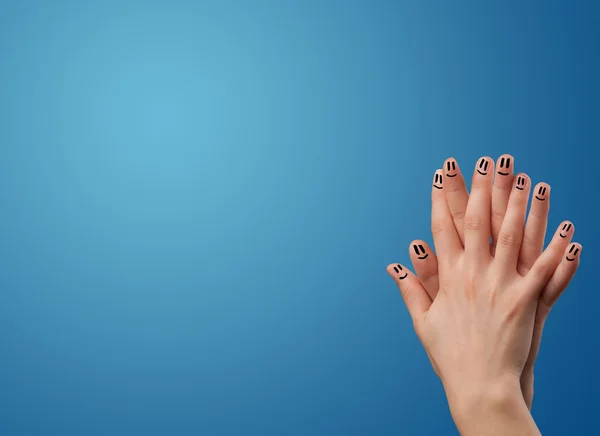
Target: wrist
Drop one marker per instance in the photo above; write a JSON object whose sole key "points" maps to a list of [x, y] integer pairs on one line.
{"points": [[489, 407]]}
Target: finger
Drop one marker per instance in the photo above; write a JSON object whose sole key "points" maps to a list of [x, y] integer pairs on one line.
{"points": [[477, 215], [511, 232], [543, 268], [425, 264], [503, 182], [415, 297], [445, 238], [535, 229], [562, 276], [456, 195]]}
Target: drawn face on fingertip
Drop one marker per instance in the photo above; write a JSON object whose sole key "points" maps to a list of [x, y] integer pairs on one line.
{"points": [[451, 166], [521, 182], [399, 271], [483, 166], [541, 194], [566, 228], [504, 166], [572, 252], [420, 250], [437, 183]]}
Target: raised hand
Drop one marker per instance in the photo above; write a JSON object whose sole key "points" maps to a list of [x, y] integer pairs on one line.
{"points": [[531, 245], [477, 317]]}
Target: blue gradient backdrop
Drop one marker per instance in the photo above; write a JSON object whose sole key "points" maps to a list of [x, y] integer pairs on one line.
{"points": [[199, 199]]}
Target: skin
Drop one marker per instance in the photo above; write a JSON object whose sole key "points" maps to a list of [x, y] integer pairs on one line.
{"points": [[479, 308], [531, 246]]}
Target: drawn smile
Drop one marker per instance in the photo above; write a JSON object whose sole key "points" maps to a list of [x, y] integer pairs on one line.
{"points": [[503, 162], [565, 228], [398, 268], [541, 191], [451, 165], [420, 250], [438, 179], [574, 253], [483, 165]]}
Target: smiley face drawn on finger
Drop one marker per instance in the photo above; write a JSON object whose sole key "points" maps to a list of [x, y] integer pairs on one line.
{"points": [[420, 250], [398, 268], [483, 166], [438, 179], [541, 193], [503, 168], [520, 183], [566, 228], [572, 253], [451, 165]]}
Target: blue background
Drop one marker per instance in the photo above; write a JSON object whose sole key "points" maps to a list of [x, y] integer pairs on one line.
{"points": [[199, 198]]}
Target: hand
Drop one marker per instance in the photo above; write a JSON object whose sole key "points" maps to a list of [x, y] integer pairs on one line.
{"points": [[425, 263], [478, 328]]}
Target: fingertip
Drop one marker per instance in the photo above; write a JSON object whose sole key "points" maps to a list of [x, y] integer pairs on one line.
{"points": [[521, 182], [541, 191], [573, 252]]}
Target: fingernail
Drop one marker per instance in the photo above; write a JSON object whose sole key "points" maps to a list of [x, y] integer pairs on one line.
{"points": [[566, 228], [504, 168], [482, 168], [437, 180], [543, 192], [450, 168], [420, 250], [400, 273], [574, 251], [521, 182]]}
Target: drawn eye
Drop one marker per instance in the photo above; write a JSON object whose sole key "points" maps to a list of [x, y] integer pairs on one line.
{"points": [[504, 163]]}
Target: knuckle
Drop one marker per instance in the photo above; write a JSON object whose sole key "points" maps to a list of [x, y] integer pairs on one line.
{"points": [[497, 215], [473, 222], [529, 240], [479, 183], [437, 227], [458, 214], [508, 239]]}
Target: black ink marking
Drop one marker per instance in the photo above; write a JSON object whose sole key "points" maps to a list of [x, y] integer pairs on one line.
{"points": [[565, 228], [502, 166], [520, 183], [451, 166], [396, 269], [419, 253]]}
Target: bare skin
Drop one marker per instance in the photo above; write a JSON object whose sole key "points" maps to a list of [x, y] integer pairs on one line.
{"points": [[475, 312], [531, 246]]}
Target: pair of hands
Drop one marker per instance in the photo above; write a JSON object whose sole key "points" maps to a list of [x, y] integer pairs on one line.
{"points": [[479, 307]]}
